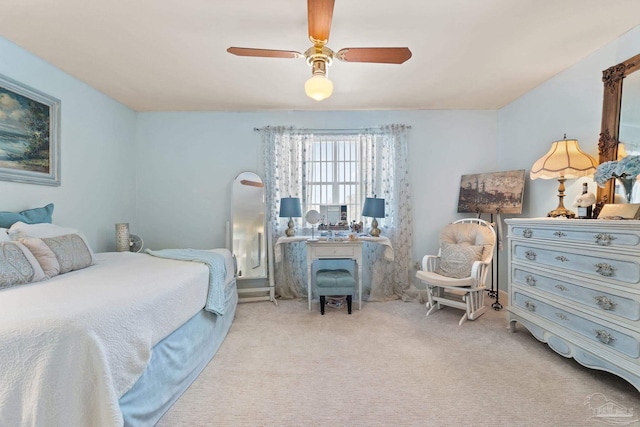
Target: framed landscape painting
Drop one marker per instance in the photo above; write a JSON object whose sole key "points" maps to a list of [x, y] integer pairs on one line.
{"points": [[29, 134], [495, 192]]}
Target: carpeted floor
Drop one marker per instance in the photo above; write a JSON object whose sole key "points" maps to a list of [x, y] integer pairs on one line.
{"points": [[390, 365]]}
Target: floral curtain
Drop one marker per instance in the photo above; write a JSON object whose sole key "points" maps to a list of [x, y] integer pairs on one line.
{"points": [[384, 173]]}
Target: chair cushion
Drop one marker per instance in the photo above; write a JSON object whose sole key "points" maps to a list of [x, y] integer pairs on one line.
{"points": [[456, 260], [335, 282], [440, 280], [470, 234], [333, 278]]}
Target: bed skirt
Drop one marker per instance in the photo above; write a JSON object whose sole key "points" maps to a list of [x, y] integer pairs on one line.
{"points": [[175, 363]]}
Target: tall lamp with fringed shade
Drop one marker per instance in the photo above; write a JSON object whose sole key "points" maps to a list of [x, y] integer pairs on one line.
{"points": [[565, 160], [290, 208], [373, 208]]}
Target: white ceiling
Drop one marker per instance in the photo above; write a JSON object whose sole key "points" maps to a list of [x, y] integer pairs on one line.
{"points": [[170, 55]]}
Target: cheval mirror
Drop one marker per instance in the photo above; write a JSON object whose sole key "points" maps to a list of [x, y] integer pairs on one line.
{"points": [[249, 240], [620, 118]]}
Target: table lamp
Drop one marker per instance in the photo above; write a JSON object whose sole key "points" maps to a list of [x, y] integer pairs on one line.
{"points": [[565, 160], [290, 208], [373, 208]]}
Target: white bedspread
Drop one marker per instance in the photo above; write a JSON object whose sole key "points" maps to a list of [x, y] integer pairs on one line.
{"points": [[71, 346]]}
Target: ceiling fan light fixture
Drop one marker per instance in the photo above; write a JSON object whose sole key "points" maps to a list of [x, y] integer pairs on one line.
{"points": [[318, 87]]}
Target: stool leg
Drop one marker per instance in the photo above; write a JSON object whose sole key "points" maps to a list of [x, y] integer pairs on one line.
{"points": [[322, 305], [349, 303]]}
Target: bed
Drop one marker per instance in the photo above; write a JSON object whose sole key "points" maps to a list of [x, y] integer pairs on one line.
{"points": [[112, 344]]}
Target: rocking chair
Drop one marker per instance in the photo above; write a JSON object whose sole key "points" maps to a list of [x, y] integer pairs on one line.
{"points": [[456, 277]]}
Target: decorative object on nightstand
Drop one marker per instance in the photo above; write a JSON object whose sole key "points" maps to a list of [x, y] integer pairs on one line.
{"points": [[564, 160], [373, 208], [122, 237], [127, 242], [290, 208]]}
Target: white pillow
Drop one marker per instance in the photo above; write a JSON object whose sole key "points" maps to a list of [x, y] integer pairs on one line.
{"points": [[20, 230], [456, 261], [4, 235]]}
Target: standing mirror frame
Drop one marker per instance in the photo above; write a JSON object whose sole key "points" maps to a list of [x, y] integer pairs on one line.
{"points": [[612, 78], [248, 231], [251, 242]]}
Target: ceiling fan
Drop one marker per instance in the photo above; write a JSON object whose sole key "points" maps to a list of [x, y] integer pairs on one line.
{"points": [[319, 56]]}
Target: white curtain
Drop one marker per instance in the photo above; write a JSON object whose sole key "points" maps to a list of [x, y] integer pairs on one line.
{"points": [[384, 173]]}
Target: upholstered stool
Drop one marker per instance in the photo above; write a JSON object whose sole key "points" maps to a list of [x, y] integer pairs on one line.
{"points": [[335, 282]]}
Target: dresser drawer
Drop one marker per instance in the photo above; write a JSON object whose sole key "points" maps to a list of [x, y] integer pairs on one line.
{"points": [[329, 250], [612, 267], [602, 333], [598, 237], [608, 302]]}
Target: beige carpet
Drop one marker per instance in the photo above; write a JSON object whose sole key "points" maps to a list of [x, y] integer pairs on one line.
{"points": [[389, 365]]}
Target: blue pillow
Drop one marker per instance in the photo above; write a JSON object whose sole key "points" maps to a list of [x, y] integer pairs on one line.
{"points": [[29, 216]]}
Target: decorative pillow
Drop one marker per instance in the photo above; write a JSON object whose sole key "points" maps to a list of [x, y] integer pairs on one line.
{"points": [[4, 235], [29, 216], [17, 265], [21, 230], [45, 256], [456, 261], [71, 251]]}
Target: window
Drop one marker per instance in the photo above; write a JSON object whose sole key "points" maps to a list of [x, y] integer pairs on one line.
{"points": [[333, 174]]}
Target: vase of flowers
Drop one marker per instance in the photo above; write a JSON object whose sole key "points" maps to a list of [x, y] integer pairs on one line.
{"points": [[625, 170]]}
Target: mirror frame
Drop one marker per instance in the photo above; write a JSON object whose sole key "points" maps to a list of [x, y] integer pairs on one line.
{"points": [[262, 241], [612, 78]]}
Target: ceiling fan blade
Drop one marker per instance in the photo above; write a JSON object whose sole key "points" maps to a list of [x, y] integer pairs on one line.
{"points": [[320, 14], [265, 53], [385, 55]]}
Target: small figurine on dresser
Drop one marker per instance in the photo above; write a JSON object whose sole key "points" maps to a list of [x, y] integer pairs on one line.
{"points": [[585, 202]]}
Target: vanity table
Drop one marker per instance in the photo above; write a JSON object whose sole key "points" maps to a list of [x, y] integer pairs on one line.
{"points": [[326, 249], [340, 248], [575, 285]]}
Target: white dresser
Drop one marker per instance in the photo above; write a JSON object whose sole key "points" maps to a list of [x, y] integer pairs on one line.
{"points": [[575, 284]]}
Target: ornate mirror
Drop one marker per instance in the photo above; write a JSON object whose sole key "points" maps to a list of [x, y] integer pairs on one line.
{"points": [[248, 232], [620, 116]]}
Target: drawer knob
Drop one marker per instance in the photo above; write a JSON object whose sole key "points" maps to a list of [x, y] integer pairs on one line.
{"points": [[559, 234], [527, 232], [561, 287], [530, 306], [605, 269], [605, 303], [561, 316], [604, 336], [604, 239], [530, 255], [562, 258], [530, 280]]}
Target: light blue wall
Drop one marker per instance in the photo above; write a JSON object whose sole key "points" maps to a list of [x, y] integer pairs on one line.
{"points": [[97, 153], [170, 174], [188, 161], [571, 103]]}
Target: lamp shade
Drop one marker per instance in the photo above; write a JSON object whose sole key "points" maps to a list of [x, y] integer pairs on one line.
{"points": [[373, 207], [318, 87], [290, 207], [565, 158]]}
